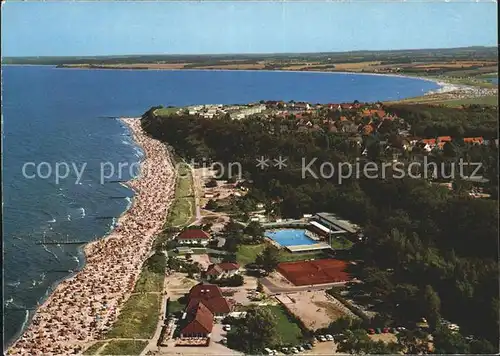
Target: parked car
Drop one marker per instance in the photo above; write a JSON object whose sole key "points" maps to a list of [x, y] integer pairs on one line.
{"points": [[268, 351], [322, 338], [285, 350], [400, 328], [386, 330], [371, 331], [227, 327], [300, 348], [378, 331], [329, 337], [294, 350], [308, 346]]}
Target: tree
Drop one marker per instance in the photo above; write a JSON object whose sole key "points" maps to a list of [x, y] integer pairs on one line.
{"points": [[269, 258], [431, 306], [413, 342], [260, 287], [157, 263], [212, 183], [254, 228], [257, 331], [449, 342], [211, 205]]}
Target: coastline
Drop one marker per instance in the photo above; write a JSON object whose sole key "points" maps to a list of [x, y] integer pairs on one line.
{"points": [[445, 86], [111, 262]]}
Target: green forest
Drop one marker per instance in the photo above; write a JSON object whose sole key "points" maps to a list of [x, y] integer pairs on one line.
{"points": [[427, 250]]}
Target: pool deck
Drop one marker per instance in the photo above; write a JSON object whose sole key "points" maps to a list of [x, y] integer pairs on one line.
{"points": [[304, 248]]}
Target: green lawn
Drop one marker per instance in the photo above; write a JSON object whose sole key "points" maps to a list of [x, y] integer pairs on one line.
{"points": [[124, 347], [138, 318], [183, 208], [166, 111], [290, 333], [92, 350], [149, 281], [341, 243], [484, 100], [175, 306], [248, 253]]}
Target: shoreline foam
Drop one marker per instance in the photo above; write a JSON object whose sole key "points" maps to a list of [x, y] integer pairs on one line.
{"points": [[62, 324]]}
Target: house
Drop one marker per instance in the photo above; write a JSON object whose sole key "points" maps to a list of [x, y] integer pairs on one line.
{"points": [[193, 237], [222, 270], [197, 322], [474, 140], [444, 139], [211, 296], [428, 144]]}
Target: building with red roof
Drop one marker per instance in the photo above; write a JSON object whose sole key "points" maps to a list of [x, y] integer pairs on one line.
{"points": [[211, 296], [222, 270], [474, 140], [197, 322], [193, 236]]}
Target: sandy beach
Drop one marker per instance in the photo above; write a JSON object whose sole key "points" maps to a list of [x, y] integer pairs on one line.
{"points": [[85, 305]]}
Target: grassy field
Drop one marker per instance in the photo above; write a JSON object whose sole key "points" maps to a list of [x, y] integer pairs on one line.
{"points": [[138, 318], [124, 347], [166, 111], [92, 350], [248, 254], [183, 207], [290, 333], [149, 282], [341, 243], [175, 306], [484, 100]]}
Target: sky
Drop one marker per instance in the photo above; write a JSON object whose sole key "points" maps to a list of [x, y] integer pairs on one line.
{"points": [[202, 27]]}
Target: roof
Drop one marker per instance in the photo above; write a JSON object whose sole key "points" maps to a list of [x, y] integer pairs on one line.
{"points": [[216, 269], [190, 234], [473, 139], [321, 227], [200, 320], [202, 290], [339, 223], [211, 296], [444, 138], [430, 141], [217, 305]]}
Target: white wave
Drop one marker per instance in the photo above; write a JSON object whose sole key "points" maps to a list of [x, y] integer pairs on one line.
{"points": [[75, 258], [125, 142], [69, 217], [51, 252], [51, 221], [9, 302], [129, 202], [26, 318], [14, 284], [82, 210]]}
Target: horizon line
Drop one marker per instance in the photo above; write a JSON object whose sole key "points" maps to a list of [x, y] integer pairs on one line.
{"points": [[249, 53]]}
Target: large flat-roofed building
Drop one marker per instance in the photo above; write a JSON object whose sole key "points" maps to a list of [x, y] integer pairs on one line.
{"points": [[328, 224]]}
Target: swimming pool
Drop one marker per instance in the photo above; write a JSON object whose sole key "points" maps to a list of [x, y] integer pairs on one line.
{"points": [[290, 237]]}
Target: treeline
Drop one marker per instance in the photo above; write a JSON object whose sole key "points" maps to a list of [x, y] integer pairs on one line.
{"points": [[417, 234], [430, 121]]}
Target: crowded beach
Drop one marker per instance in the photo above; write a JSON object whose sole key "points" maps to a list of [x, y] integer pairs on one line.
{"points": [[84, 306]]}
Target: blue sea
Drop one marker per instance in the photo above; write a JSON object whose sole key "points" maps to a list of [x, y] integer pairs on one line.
{"points": [[62, 116]]}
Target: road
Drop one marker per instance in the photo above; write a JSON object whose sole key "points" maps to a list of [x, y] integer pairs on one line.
{"points": [[273, 288]]}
